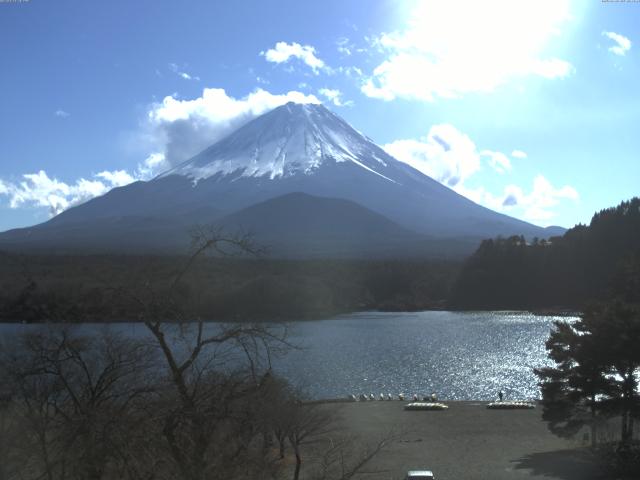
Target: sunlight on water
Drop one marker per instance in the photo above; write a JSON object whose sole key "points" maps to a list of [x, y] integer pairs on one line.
{"points": [[457, 355], [460, 356]]}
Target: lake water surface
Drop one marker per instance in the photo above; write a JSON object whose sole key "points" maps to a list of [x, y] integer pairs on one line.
{"points": [[460, 356]]}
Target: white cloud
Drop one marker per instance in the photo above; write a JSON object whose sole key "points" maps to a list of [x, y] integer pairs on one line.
{"points": [[283, 52], [344, 46], [351, 72], [61, 113], [173, 131], [497, 160], [117, 178], [445, 154], [622, 43], [153, 165], [334, 96], [175, 69], [179, 129], [551, 68], [40, 190], [536, 205], [452, 158], [456, 47]]}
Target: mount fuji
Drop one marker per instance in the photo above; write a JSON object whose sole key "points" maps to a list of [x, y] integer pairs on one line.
{"points": [[302, 179]]}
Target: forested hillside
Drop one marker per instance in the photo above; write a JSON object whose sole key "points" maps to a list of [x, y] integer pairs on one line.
{"points": [[586, 264], [56, 288]]}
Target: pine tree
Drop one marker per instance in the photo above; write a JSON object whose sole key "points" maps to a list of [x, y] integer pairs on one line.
{"points": [[597, 364]]}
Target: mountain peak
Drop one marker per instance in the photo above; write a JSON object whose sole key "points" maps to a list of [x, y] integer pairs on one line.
{"points": [[296, 108], [293, 148], [300, 106], [291, 139]]}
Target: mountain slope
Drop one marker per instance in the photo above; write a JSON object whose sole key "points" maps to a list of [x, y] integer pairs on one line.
{"points": [[293, 148], [295, 225], [302, 225]]}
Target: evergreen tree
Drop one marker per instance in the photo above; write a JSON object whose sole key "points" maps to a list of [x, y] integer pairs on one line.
{"points": [[572, 391], [616, 326], [587, 263], [597, 364]]}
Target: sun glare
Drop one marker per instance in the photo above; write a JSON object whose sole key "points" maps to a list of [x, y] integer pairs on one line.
{"points": [[460, 46]]}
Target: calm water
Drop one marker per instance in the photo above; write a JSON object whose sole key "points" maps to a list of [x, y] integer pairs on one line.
{"points": [[457, 355]]}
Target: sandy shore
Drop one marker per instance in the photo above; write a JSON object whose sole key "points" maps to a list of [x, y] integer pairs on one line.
{"points": [[466, 442]]}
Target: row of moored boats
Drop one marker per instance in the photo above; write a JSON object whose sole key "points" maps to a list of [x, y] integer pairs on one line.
{"points": [[382, 397], [429, 402]]}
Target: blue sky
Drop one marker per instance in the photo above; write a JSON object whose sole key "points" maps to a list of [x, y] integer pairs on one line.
{"points": [[530, 108]]}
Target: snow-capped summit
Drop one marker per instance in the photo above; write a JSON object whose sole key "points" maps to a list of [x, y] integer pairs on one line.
{"points": [[298, 175], [291, 139]]}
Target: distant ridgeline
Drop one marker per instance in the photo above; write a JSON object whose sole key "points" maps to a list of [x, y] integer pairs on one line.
{"points": [[585, 265]]}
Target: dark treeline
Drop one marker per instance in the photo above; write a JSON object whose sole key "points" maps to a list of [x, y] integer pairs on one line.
{"points": [[588, 263], [38, 288]]}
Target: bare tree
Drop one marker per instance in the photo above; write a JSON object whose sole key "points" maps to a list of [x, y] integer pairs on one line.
{"points": [[74, 396], [307, 425], [343, 460], [213, 371], [7, 430]]}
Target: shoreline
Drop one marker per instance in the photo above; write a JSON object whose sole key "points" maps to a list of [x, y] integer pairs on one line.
{"points": [[309, 318], [396, 401], [465, 442]]}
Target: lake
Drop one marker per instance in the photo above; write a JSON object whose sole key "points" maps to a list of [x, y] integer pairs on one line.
{"points": [[457, 355]]}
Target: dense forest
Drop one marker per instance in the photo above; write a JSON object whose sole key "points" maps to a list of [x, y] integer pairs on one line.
{"points": [[586, 264], [38, 288]]}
